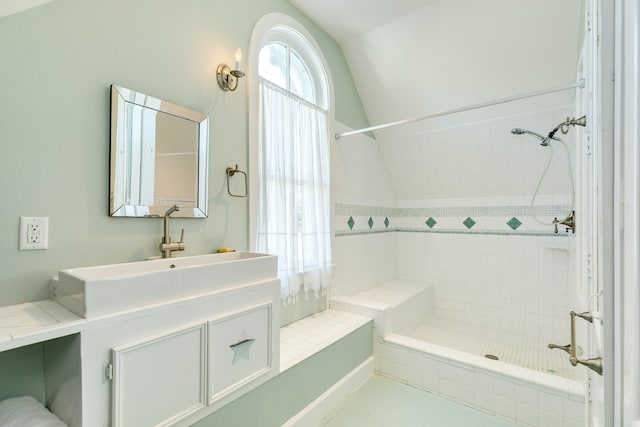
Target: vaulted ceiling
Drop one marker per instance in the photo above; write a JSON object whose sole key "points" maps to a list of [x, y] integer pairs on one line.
{"points": [[414, 57]]}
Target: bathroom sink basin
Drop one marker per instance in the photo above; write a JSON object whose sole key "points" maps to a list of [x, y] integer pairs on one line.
{"points": [[102, 290]]}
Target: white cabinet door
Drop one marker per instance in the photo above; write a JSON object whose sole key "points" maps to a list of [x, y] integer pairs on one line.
{"points": [[161, 379], [240, 349]]}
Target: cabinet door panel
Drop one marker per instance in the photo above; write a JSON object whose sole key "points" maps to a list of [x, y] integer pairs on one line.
{"points": [[239, 349], [160, 380]]}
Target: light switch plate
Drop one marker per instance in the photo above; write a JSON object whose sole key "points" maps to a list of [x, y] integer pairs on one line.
{"points": [[34, 233]]}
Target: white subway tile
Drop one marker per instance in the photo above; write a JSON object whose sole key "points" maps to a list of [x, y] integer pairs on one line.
{"points": [[485, 401], [447, 387], [430, 382], [464, 376], [446, 371], [484, 382], [550, 420], [527, 415], [506, 408], [571, 423], [551, 403], [573, 410], [414, 377], [505, 389], [527, 396], [465, 394]]}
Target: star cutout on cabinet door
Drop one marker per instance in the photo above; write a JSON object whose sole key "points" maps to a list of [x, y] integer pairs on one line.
{"points": [[241, 349]]}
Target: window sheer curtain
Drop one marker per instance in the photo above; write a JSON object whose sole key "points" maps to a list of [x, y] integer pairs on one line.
{"points": [[293, 185]]}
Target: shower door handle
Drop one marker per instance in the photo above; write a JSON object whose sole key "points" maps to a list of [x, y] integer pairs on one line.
{"points": [[595, 364]]}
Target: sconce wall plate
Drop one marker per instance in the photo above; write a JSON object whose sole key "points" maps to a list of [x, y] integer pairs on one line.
{"points": [[228, 78]]}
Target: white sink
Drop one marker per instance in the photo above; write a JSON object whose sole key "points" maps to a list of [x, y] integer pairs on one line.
{"points": [[102, 290]]}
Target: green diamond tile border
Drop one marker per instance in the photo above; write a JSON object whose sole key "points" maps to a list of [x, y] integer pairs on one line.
{"points": [[514, 223], [350, 223], [469, 222], [370, 222], [431, 222], [386, 222]]}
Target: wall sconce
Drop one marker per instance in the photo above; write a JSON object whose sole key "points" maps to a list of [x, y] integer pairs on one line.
{"points": [[228, 78]]}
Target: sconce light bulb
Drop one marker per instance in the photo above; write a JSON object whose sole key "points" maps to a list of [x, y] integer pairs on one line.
{"points": [[238, 58]]}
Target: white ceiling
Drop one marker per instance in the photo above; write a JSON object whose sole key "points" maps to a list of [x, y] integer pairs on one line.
{"points": [[347, 19], [414, 57]]}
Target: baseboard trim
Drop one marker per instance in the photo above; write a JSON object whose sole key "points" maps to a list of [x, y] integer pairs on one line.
{"points": [[322, 406]]}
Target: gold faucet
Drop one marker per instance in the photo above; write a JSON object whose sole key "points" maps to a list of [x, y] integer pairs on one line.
{"points": [[166, 247]]}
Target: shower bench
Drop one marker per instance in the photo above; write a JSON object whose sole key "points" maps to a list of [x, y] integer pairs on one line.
{"points": [[394, 306]]}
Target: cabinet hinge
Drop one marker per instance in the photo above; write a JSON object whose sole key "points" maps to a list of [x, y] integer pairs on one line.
{"points": [[108, 372]]}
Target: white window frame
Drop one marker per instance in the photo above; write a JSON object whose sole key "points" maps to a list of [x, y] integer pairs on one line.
{"points": [[263, 33]]}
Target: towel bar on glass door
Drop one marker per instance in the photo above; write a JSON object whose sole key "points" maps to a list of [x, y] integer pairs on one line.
{"points": [[230, 172], [595, 363]]}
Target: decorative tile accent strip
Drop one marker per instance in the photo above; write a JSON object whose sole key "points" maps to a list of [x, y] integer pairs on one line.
{"points": [[359, 219], [351, 223], [469, 222], [514, 223], [455, 211], [468, 232]]}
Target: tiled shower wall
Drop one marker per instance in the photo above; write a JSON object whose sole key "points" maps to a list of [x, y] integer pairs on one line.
{"points": [[359, 178], [455, 212]]}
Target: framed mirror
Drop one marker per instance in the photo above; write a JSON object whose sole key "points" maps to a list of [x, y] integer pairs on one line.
{"points": [[159, 157]]}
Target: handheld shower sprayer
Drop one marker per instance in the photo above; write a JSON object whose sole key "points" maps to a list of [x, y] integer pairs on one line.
{"points": [[520, 131], [569, 220], [563, 127]]}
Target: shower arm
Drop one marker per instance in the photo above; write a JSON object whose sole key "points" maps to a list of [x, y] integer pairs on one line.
{"points": [[564, 128]]}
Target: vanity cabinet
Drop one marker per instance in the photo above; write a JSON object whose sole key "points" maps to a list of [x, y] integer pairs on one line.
{"points": [[163, 342], [176, 363], [161, 379]]}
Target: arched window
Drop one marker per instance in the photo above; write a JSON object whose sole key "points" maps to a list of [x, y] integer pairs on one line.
{"points": [[291, 155], [288, 61]]}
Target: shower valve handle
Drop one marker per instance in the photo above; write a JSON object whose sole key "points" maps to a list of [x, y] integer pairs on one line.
{"points": [[595, 363], [566, 348]]}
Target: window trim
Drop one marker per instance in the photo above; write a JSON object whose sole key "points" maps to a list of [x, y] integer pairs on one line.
{"points": [[315, 65], [263, 33]]}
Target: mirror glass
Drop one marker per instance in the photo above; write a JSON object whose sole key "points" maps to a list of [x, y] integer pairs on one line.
{"points": [[159, 157]]}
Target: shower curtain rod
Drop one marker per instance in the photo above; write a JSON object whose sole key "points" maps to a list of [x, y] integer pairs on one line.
{"points": [[578, 84]]}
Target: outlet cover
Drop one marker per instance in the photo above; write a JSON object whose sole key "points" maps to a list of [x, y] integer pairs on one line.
{"points": [[34, 233]]}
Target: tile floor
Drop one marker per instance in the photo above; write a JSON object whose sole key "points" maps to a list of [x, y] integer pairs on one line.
{"points": [[381, 402], [516, 349]]}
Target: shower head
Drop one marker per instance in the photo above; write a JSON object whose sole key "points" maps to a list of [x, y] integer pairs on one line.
{"points": [[519, 131]]}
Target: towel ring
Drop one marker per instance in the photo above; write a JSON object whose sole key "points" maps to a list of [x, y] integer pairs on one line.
{"points": [[230, 172]]}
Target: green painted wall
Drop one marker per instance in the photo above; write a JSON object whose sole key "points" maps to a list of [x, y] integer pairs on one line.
{"points": [[58, 61], [275, 401], [22, 372]]}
